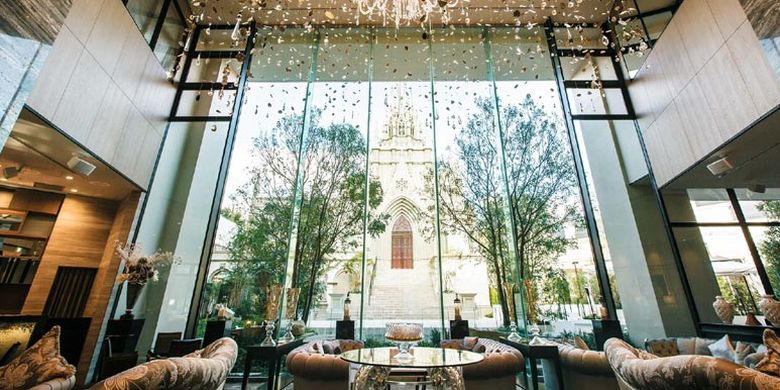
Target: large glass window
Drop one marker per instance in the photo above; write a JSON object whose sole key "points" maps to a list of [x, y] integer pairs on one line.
{"points": [[403, 168], [728, 239]]}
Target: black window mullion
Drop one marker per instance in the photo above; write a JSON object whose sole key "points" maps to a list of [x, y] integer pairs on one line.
{"points": [[587, 205], [750, 243], [160, 21]]}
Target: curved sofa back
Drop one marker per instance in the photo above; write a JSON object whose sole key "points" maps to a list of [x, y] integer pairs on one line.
{"points": [[499, 360], [303, 362], [206, 368], [641, 370]]}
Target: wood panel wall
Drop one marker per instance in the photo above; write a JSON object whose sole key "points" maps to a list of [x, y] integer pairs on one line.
{"points": [[106, 277], [84, 236]]}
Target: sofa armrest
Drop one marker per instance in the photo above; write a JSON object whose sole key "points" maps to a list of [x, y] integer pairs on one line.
{"points": [[57, 384]]}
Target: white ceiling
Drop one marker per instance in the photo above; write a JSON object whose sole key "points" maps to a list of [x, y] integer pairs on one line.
{"points": [[755, 155], [43, 152]]}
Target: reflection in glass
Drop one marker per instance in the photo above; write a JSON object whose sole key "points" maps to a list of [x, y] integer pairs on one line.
{"points": [[718, 262]]}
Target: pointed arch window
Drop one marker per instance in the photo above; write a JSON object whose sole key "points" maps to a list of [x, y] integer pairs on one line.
{"points": [[402, 244]]}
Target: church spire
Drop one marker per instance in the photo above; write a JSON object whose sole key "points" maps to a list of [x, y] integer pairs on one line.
{"points": [[401, 120]]}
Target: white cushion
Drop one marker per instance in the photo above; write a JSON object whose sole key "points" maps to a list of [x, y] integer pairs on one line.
{"points": [[723, 349]]}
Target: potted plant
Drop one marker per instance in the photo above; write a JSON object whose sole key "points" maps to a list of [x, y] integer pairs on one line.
{"points": [[139, 270]]}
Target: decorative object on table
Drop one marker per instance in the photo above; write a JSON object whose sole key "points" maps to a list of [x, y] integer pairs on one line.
{"points": [[298, 328], [139, 270], [530, 293], [771, 309], [273, 295], [723, 309], [751, 320], [223, 312], [405, 335], [347, 302], [457, 304], [290, 312], [509, 293]]}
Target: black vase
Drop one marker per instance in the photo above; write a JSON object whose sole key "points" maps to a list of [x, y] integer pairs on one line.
{"points": [[133, 290]]}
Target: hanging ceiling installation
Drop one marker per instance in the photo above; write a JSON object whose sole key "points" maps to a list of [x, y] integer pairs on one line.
{"points": [[401, 13]]}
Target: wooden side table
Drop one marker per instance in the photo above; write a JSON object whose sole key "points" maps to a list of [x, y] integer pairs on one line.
{"points": [[532, 353], [272, 356]]}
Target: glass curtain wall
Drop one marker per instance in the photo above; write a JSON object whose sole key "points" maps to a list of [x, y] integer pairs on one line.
{"points": [[402, 168], [729, 241]]}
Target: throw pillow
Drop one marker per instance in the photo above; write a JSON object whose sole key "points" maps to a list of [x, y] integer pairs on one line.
{"points": [[723, 349], [38, 364], [452, 344], [770, 364], [741, 351], [479, 348], [470, 342], [317, 347], [332, 347], [580, 343], [348, 345]]}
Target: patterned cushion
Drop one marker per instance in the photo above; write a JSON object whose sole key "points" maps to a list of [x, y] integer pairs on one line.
{"points": [[349, 345], [201, 370], [580, 343], [770, 364], [662, 347], [682, 372], [38, 364]]}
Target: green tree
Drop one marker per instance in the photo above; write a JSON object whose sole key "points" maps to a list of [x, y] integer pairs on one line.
{"points": [[542, 189], [327, 220], [770, 246]]}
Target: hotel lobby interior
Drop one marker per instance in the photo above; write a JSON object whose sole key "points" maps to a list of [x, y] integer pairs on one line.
{"points": [[390, 194]]}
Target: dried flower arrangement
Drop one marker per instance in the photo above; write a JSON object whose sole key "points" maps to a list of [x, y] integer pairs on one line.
{"points": [[140, 269]]}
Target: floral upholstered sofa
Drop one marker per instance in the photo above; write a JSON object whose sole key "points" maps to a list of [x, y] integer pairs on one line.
{"points": [[497, 371], [636, 369], [40, 367], [204, 369]]}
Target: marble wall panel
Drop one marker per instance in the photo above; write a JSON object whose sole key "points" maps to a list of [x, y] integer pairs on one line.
{"points": [[764, 17]]}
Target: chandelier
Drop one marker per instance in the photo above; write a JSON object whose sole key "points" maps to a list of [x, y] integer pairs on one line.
{"points": [[405, 11]]}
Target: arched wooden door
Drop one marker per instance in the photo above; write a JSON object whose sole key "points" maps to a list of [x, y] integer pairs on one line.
{"points": [[402, 244]]}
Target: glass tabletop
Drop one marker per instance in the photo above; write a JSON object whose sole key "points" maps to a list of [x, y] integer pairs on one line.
{"points": [[423, 357]]}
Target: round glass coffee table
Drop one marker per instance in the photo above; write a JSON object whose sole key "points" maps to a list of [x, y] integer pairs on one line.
{"points": [[377, 368]]}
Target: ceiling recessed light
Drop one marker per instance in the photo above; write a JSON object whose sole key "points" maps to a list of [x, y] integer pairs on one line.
{"points": [[74, 190], [3, 179], [69, 177]]}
